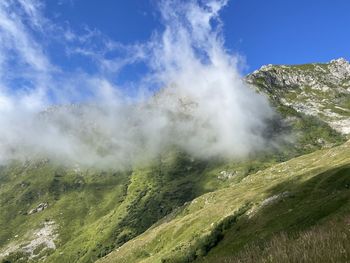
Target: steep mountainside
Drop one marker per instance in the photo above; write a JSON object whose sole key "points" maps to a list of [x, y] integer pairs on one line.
{"points": [[286, 198], [177, 208], [321, 90]]}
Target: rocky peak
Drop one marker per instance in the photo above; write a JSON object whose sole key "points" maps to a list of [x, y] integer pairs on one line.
{"points": [[340, 61], [339, 68], [334, 73], [318, 89]]}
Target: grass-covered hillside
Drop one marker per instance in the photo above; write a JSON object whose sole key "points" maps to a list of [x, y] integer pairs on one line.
{"points": [[281, 214], [91, 211], [77, 214]]}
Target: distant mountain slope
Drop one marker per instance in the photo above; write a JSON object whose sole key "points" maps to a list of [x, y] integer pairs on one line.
{"points": [[321, 90], [90, 211], [65, 213], [288, 197]]}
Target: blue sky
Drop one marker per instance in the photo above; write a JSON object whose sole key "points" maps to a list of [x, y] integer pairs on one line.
{"points": [[265, 32], [66, 50], [116, 55]]}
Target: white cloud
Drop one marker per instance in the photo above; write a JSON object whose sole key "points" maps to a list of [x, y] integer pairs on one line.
{"points": [[203, 108]]}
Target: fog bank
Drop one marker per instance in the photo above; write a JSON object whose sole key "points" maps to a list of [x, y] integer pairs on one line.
{"points": [[201, 105]]}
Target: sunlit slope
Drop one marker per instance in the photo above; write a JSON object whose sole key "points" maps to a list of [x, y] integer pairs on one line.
{"points": [[321, 90], [83, 213], [74, 199], [290, 196]]}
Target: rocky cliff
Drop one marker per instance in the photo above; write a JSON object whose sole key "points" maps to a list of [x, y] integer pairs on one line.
{"points": [[319, 89]]}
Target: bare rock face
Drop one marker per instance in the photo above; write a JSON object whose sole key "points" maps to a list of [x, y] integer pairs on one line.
{"points": [[340, 69], [320, 89], [336, 72], [34, 242], [224, 175], [39, 208]]}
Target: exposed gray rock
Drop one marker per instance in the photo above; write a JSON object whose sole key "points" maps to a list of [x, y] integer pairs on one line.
{"points": [[44, 236], [321, 90], [39, 208], [273, 199], [226, 175]]}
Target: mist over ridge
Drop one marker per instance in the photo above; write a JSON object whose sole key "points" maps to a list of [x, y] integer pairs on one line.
{"points": [[202, 107]]}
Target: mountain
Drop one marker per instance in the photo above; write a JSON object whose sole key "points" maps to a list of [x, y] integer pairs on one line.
{"points": [[178, 208], [320, 90], [263, 212]]}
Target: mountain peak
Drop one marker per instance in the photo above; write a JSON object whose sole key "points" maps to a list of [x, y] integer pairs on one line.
{"points": [[340, 61], [318, 89]]}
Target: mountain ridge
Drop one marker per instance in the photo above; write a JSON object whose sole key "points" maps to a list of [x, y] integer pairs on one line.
{"points": [[320, 89]]}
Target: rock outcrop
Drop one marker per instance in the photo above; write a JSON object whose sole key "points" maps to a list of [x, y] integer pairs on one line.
{"points": [[321, 90], [39, 208]]}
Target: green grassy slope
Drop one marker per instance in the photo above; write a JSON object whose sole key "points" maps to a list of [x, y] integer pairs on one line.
{"points": [[76, 200], [325, 242], [95, 211], [288, 197]]}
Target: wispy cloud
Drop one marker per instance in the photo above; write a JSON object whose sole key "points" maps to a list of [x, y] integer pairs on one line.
{"points": [[203, 106]]}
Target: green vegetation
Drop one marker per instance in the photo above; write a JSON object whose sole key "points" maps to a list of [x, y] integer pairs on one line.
{"points": [[327, 242], [96, 211], [289, 197], [319, 200], [76, 200]]}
